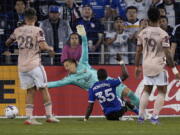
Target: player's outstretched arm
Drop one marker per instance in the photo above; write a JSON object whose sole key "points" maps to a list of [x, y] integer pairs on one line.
{"points": [[124, 74], [88, 111], [84, 56], [59, 83]]}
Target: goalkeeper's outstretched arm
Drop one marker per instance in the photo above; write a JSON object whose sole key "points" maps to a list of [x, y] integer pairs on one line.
{"points": [[84, 57]]}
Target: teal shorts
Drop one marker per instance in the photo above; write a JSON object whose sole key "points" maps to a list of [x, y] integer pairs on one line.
{"points": [[120, 89]]}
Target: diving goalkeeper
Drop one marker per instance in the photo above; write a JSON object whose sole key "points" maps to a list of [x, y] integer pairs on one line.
{"points": [[83, 75]]}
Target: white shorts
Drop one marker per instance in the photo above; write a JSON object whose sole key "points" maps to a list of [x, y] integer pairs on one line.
{"points": [[36, 77], [159, 80]]}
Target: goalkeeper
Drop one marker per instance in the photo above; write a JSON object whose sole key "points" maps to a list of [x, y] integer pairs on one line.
{"points": [[83, 75]]}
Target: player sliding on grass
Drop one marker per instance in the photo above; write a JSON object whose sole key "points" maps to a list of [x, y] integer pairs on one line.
{"points": [[83, 75], [104, 91]]}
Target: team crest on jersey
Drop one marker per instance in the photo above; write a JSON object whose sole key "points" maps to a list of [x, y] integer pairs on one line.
{"points": [[92, 25]]}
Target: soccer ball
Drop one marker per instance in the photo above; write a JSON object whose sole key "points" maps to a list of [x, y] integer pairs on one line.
{"points": [[11, 111]]}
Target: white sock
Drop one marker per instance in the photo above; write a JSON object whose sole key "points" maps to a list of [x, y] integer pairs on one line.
{"points": [[48, 109], [29, 110], [143, 104], [158, 103]]}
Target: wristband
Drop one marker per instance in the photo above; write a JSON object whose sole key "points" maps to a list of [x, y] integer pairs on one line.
{"points": [[174, 70], [121, 62]]}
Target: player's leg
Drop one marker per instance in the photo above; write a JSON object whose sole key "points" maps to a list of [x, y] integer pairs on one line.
{"points": [[159, 102], [26, 82], [131, 95], [30, 107], [40, 80], [161, 82], [144, 102], [48, 105]]}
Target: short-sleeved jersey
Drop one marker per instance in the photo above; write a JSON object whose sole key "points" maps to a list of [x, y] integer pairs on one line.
{"points": [[28, 38], [153, 40], [105, 93]]}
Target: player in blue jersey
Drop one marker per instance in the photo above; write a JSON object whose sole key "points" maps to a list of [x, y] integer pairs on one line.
{"points": [[83, 75], [104, 91]]}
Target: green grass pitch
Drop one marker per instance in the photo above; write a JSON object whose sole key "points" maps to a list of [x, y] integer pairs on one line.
{"points": [[95, 126]]}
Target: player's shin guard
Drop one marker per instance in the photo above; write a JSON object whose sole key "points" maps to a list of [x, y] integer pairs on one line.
{"points": [[133, 98], [48, 108], [29, 110]]}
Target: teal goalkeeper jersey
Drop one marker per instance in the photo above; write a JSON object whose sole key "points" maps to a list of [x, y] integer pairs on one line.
{"points": [[85, 75]]}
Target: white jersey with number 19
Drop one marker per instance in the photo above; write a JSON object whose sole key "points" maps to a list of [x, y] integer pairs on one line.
{"points": [[153, 40]]}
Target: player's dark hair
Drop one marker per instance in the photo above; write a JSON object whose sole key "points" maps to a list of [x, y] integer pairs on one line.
{"points": [[74, 33], [131, 7], [30, 13], [70, 60], [153, 14], [21, 1], [102, 74], [164, 17]]}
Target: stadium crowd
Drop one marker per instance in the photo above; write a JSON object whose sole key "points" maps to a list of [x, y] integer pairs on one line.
{"points": [[112, 26]]}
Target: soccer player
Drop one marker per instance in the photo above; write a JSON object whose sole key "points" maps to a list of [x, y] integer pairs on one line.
{"points": [[32, 75], [83, 75], [104, 91], [153, 43]]}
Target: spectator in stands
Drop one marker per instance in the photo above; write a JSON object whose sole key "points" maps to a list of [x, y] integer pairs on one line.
{"points": [[117, 41], [4, 27], [155, 3], [173, 11], [132, 27], [16, 17], [56, 30], [176, 34], [72, 50], [94, 31], [169, 29], [141, 5], [99, 7], [42, 8], [162, 11], [119, 8], [71, 11]]}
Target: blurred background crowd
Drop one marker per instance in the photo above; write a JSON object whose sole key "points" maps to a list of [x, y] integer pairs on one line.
{"points": [[112, 26]]}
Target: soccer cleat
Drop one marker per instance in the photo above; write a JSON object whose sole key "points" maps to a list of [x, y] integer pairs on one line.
{"points": [[124, 118], [32, 122], [52, 119], [140, 120], [154, 121]]}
